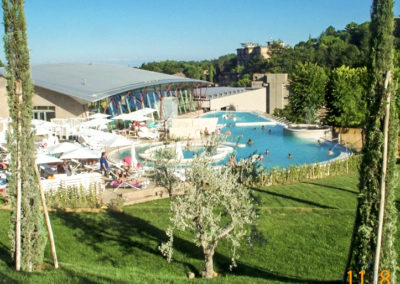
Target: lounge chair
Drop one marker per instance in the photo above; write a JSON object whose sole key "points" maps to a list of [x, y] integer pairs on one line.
{"points": [[146, 133]]}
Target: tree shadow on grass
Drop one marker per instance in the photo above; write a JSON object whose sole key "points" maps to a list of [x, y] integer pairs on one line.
{"points": [[131, 232], [331, 186], [5, 254], [128, 232], [6, 258], [308, 202]]}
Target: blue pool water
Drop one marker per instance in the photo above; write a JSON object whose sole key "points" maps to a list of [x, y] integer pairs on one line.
{"points": [[278, 143]]}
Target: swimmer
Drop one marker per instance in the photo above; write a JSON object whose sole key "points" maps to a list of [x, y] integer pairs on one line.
{"points": [[330, 152], [269, 131], [228, 133], [319, 142], [263, 127], [232, 161], [290, 156], [230, 125], [250, 142], [261, 158], [255, 128], [266, 152]]}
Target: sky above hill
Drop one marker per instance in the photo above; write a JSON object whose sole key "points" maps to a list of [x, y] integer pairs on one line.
{"points": [[131, 32]]}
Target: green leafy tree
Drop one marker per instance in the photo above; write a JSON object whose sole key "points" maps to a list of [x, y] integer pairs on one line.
{"points": [[346, 98], [372, 174], [214, 207], [307, 90], [27, 236]]}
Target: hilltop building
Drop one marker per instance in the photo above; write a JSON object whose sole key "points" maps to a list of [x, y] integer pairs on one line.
{"points": [[250, 50]]}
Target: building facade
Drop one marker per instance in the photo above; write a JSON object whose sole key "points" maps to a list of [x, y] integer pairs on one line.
{"points": [[250, 50], [277, 89]]}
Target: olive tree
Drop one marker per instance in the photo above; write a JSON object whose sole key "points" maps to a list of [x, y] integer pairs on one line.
{"points": [[214, 207]]}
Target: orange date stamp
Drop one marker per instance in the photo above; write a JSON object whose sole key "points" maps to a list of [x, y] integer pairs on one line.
{"points": [[384, 276]]}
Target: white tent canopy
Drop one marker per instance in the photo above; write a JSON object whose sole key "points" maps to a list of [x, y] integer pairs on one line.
{"points": [[81, 154], [133, 156], [116, 141], [46, 159], [62, 148], [98, 115], [96, 122], [146, 111]]}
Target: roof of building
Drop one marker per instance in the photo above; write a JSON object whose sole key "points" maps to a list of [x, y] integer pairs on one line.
{"points": [[216, 92], [92, 82]]}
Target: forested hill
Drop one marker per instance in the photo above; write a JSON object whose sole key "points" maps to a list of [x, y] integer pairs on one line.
{"points": [[333, 48]]}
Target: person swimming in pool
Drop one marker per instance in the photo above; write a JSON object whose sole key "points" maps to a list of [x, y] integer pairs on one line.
{"points": [[263, 127], [269, 131], [266, 152], [330, 152], [290, 156], [250, 142]]}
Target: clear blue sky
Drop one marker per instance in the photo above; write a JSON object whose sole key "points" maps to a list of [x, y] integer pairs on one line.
{"points": [[132, 31]]}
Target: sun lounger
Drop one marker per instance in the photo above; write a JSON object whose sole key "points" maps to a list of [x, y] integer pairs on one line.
{"points": [[145, 133]]}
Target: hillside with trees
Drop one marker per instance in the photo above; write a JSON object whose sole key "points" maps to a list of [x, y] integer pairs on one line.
{"points": [[339, 56]]}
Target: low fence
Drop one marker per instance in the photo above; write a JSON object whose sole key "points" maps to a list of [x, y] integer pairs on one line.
{"points": [[292, 174]]}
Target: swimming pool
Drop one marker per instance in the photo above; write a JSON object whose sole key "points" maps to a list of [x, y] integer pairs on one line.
{"points": [[271, 137]]}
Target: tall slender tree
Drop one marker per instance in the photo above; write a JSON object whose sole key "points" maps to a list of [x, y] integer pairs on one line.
{"points": [[372, 172], [27, 231]]}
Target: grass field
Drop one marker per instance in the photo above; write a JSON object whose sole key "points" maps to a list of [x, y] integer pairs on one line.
{"points": [[307, 227]]}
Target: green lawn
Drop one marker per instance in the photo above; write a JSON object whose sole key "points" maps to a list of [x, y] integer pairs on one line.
{"points": [[307, 227]]}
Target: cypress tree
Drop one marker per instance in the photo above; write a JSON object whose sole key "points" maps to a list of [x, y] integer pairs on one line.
{"points": [[364, 241], [27, 235]]}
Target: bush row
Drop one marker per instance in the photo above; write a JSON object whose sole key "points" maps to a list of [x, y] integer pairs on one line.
{"points": [[75, 197]]}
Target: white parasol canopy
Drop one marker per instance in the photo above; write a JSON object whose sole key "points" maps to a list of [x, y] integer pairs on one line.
{"points": [[96, 122], [98, 115], [46, 159], [146, 111], [62, 148], [43, 123], [134, 161], [132, 116], [116, 141], [179, 152], [81, 154]]}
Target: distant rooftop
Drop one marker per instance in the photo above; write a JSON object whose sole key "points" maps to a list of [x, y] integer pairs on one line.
{"points": [[216, 92], [92, 82]]}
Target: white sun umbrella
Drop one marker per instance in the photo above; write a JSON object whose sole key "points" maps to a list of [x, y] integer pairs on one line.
{"points": [[116, 141], [146, 111], [132, 116], [42, 131], [134, 161], [96, 122], [121, 117], [62, 148], [179, 151], [81, 154], [46, 159], [3, 138], [98, 115], [43, 123]]}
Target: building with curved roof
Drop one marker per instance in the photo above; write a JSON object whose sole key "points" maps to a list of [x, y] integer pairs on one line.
{"points": [[64, 90]]}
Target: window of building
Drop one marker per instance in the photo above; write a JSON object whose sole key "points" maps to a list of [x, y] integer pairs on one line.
{"points": [[44, 112]]}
